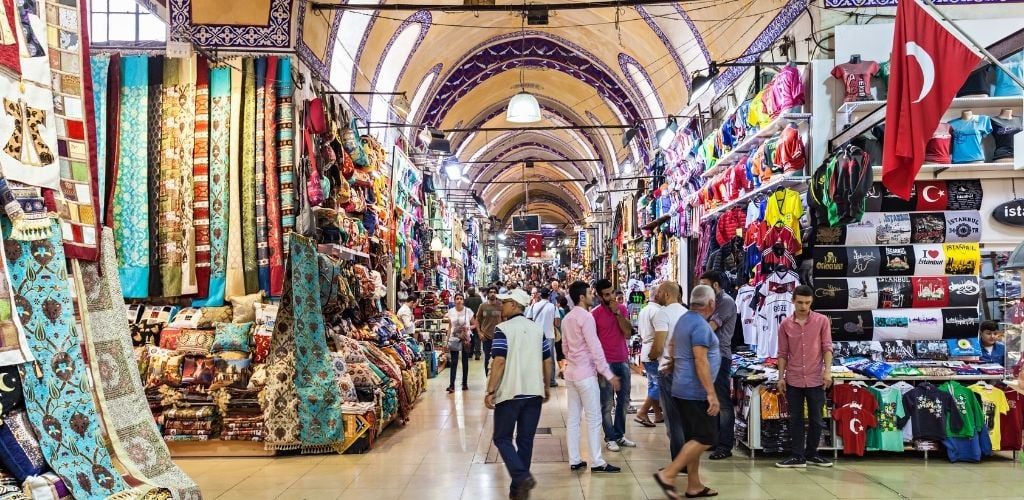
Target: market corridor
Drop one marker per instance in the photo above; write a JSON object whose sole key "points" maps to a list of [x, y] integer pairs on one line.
{"points": [[444, 453]]}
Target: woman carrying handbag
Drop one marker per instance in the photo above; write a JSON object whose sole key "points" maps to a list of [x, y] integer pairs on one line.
{"points": [[460, 323]]}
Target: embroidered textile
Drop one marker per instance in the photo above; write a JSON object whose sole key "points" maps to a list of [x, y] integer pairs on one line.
{"points": [[235, 284], [134, 438], [286, 148], [280, 399], [100, 66], [201, 178], [14, 349], [58, 399], [249, 119], [154, 115], [9, 48], [77, 201], [178, 135], [220, 164], [131, 205], [271, 173], [262, 245]]}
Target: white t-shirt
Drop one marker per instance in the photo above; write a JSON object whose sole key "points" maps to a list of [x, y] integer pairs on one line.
{"points": [[408, 319], [645, 325], [747, 313], [665, 321], [776, 307], [543, 313], [458, 319]]}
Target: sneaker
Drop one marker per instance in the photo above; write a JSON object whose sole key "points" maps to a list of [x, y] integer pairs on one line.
{"points": [[554, 384], [623, 441], [720, 454], [612, 446], [606, 468], [576, 467], [792, 463], [819, 461]]}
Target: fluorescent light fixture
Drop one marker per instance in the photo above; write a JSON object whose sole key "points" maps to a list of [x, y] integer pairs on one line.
{"points": [[523, 108]]}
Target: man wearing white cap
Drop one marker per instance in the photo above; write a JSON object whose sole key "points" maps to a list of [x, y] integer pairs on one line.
{"points": [[517, 387]]}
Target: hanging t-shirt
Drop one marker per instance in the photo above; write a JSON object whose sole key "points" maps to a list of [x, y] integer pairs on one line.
{"points": [[1011, 423], [785, 206], [889, 412], [1003, 130], [776, 307], [976, 84], [1004, 86], [937, 149], [994, 406], [930, 408], [856, 78], [854, 414], [967, 136], [758, 116], [789, 151], [744, 296], [970, 410], [787, 89]]}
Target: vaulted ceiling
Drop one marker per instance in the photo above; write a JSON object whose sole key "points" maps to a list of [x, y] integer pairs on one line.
{"points": [[587, 67]]}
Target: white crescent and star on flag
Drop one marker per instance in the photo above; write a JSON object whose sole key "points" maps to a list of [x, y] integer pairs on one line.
{"points": [[927, 64], [929, 199]]}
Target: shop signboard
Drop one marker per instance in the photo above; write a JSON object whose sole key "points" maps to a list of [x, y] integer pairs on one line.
{"points": [[1010, 213]]}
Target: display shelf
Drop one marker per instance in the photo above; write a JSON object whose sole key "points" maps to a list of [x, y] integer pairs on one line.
{"points": [[780, 181], [849, 108], [936, 169], [751, 143], [656, 222], [337, 250], [919, 378]]}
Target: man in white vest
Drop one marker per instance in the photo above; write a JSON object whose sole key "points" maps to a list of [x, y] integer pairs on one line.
{"points": [[517, 387]]}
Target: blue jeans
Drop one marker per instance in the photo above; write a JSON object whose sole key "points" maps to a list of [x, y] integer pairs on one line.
{"points": [[517, 417], [651, 369], [487, 356], [726, 413], [613, 404], [554, 362], [673, 420]]}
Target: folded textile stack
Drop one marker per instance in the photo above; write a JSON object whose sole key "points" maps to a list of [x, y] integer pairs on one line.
{"points": [[243, 419], [194, 423]]}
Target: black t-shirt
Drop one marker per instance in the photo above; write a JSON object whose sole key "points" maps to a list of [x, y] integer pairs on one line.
{"points": [[1003, 131], [976, 84]]}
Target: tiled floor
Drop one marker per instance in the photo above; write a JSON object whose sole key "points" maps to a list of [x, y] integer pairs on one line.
{"points": [[443, 453]]}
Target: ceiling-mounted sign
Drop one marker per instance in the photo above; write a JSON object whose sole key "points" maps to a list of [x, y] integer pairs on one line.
{"points": [[1010, 213]]}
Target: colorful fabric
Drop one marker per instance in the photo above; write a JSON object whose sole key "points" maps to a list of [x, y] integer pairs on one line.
{"points": [[280, 398], [131, 205], [9, 49], [154, 115], [57, 397], [13, 344], [134, 438], [248, 178], [286, 148], [201, 178], [177, 255], [235, 284], [77, 201], [220, 164], [262, 228], [100, 67], [271, 173]]}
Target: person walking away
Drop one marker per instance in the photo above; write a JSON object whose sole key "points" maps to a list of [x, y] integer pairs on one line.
{"points": [[544, 313], [805, 372], [487, 318], [671, 295], [473, 301], [563, 309], [695, 360], [584, 361], [613, 329], [460, 322], [408, 316], [645, 325], [723, 322], [516, 389]]}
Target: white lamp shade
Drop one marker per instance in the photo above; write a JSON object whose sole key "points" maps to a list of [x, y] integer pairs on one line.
{"points": [[452, 168], [435, 245], [523, 108], [446, 253]]}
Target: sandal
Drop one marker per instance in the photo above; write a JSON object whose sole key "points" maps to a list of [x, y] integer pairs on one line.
{"points": [[668, 489], [644, 422], [706, 492]]}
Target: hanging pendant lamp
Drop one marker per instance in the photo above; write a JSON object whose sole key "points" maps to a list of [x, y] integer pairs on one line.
{"points": [[523, 108], [436, 245]]}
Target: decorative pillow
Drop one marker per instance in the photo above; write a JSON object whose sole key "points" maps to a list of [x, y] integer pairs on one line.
{"points": [[172, 370], [157, 358], [134, 312], [363, 375], [243, 309], [259, 378], [265, 318], [195, 342], [232, 373], [198, 370], [19, 447], [261, 348], [188, 317], [347, 387], [211, 315], [169, 337], [145, 333], [232, 337], [48, 486], [158, 314], [11, 397]]}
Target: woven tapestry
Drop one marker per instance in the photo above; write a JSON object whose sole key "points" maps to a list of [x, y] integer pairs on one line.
{"points": [[154, 122], [178, 140], [272, 173], [286, 147], [131, 200], [100, 66], [262, 244], [201, 178], [134, 438], [248, 178], [77, 201], [235, 280], [219, 170], [13, 345]]}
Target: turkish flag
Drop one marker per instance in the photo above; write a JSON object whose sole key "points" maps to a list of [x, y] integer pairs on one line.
{"points": [[919, 94], [932, 196], [534, 245]]}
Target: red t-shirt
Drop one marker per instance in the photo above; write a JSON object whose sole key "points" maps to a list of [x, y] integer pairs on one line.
{"points": [[610, 335], [938, 148], [1011, 423], [855, 413], [856, 78], [789, 153]]}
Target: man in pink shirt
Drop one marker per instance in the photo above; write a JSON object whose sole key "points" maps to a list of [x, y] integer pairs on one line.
{"points": [[805, 371], [584, 361], [613, 330]]}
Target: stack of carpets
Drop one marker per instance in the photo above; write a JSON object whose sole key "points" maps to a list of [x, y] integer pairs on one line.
{"points": [[195, 423], [243, 420]]}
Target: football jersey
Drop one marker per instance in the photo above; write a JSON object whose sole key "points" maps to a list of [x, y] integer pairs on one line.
{"points": [[786, 207], [789, 153], [744, 299], [781, 234], [776, 307]]}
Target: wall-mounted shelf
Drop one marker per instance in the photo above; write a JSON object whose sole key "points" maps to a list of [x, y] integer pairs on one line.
{"points": [[937, 169], [777, 182], [337, 250], [958, 103], [752, 142]]}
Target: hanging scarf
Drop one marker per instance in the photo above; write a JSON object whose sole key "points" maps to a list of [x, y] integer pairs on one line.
{"points": [[134, 438], [113, 139], [248, 178], [235, 284], [271, 171], [77, 202], [100, 66], [201, 178], [156, 229], [131, 202], [220, 164], [14, 349], [286, 148], [280, 398], [175, 176], [58, 399], [262, 245]]}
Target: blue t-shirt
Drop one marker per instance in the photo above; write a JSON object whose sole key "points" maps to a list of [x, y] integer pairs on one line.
{"points": [[1004, 86], [692, 330], [967, 136]]}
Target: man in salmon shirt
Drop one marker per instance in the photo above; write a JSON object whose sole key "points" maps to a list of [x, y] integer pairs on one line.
{"points": [[613, 330]]}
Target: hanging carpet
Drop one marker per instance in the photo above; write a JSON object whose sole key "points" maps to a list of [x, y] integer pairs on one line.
{"points": [[249, 227], [235, 284], [262, 243], [131, 201], [201, 178], [219, 185], [154, 115], [273, 181], [175, 192], [100, 66], [286, 148]]}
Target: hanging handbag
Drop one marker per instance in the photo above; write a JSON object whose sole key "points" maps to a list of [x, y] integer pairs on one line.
{"points": [[314, 188], [354, 144]]}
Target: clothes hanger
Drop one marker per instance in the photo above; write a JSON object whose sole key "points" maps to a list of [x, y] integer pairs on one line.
{"points": [[880, 385]]}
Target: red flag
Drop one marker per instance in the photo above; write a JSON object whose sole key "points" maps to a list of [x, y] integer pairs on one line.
{"points": [[919, 94], [534, 245]]}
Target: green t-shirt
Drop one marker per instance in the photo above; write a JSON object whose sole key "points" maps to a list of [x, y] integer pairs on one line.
{"points": [[890, 410], [970, 410]]}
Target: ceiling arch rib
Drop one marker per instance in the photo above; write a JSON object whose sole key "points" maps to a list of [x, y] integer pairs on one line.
{"points": [[543, 180], [539, 200], [420, 94], [501, 170], [526, 151], [535, 142]]}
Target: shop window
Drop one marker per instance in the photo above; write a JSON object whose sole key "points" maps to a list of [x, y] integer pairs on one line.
{"points": [[123, 23]]}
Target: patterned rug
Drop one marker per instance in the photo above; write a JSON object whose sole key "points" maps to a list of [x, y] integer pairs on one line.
{"points": [[285, 147], [201, 178], [262, 243], [154, 119], [273, 181], [134, 438], [131, 207], [57, 394], [235, 284], [175, 193], [249, 227], [219, 170]]}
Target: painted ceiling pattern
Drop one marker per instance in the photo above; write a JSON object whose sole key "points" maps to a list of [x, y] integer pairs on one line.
{"points": [[596, 66]]}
